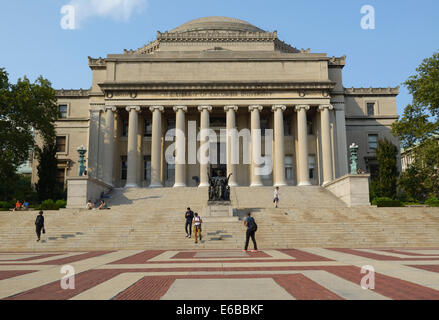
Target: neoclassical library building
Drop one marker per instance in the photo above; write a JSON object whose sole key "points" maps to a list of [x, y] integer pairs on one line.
{"points": [[220, 74]]}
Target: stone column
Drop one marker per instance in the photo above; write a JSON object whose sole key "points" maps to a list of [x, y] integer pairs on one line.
{"points": [[204, 139], [180, 146], [109, 145], [302, 137], [326, 143], [279, 152], [133, 155], [231, 144], [156, 146], [255, 179]]}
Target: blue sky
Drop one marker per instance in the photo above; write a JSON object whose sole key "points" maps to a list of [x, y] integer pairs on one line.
{"points": [[33, 42]]}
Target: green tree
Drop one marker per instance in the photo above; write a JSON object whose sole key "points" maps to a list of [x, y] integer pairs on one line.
{"points": [[25, 109], [386, 182], [418, 128], [48, 187]]}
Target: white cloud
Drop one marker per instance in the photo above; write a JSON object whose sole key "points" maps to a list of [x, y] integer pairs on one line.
{"points": [[118, 10]]}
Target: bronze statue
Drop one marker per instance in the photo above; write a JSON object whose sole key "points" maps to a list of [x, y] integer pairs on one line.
{"points": [[219, 189]]}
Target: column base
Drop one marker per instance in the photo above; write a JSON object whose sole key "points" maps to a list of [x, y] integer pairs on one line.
{"points": [[257, 184], [156, 185], [131, 185], [326, 183], [281, 184], [202, 185], [233, 184], [179, 185], [304, 184]]}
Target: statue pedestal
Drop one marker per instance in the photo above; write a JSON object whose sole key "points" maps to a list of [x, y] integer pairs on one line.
{"points": [[219, 211]]}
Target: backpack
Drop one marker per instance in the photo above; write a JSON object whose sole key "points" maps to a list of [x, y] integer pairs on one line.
{"points": [[251, 223]]}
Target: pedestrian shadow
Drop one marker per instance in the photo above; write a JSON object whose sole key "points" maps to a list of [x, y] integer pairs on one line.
{"points": [[241, 213]]}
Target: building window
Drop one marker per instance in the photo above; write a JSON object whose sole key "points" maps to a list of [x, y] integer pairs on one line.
{"points": [[370, 109], [311, 166], [289, 168], [147, 130], [60, 175], [147, 168], [287, 127], [170, 124], [310, 128], [123, 167], [61, 144], [62, 111], [264, 126], [124, 128], [373, 141], [170, 172]]}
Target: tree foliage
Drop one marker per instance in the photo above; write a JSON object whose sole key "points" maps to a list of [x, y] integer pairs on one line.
{"points": [[386, 181], [418, 129], [25, 108], [48, 187]]}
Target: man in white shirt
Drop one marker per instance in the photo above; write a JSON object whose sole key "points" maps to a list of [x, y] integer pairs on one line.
{"points": [[197, 226]]}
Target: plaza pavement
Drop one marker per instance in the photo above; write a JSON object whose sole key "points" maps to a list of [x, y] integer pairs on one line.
{"points": [[283, 274]]}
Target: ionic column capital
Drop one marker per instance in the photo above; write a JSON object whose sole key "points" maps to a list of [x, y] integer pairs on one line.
{"points": [[110, 108], [278, 107], [177, 108], [326, 106], [255, 107], [158, 108], [300, 107], [135, 108], [208, 108], [231, 108]]}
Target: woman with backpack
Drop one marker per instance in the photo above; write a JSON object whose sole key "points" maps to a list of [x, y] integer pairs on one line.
{"points": [[251, 225]]}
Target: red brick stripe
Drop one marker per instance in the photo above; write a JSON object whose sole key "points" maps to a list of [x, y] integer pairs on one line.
{"points": [[300, 255], [303, 288], [147, 288], [393, 288], [376, 256], [53, 290], [6, 274], [76, 258], [139, 258]]}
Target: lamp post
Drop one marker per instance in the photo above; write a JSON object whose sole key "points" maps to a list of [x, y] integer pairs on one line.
{"points": [[81, 150], [354, 158]]}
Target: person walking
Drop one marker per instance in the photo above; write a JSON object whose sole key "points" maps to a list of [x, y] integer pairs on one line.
{"points": [[251, 225], [197, 226], [39, 224], [189, 215], [276, 197]]}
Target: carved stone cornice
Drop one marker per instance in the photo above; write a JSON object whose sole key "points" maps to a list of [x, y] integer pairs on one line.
{"points": [[372, 91], [341, 61], [96, 62], [72, 93], [167, 86]]}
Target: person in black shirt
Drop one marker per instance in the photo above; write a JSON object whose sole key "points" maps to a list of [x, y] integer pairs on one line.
{"points": [[189, 215], [39, 224], [251, 225]]}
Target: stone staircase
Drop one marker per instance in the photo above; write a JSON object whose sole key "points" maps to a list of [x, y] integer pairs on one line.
{"points": [[154, 219]]}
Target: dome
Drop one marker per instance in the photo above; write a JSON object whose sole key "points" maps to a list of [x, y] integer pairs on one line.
{"points": [[217, 23]]}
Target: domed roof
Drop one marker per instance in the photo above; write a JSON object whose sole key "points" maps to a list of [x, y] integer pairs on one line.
{"points": [[217, 23]]}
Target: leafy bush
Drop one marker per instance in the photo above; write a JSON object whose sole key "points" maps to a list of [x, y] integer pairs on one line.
{"points": [[386, 202], [5, 205], [432, 202], [61, 203], [48, 205]]}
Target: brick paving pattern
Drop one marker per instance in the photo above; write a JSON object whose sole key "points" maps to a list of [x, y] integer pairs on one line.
{"points": [[301, 274]]}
